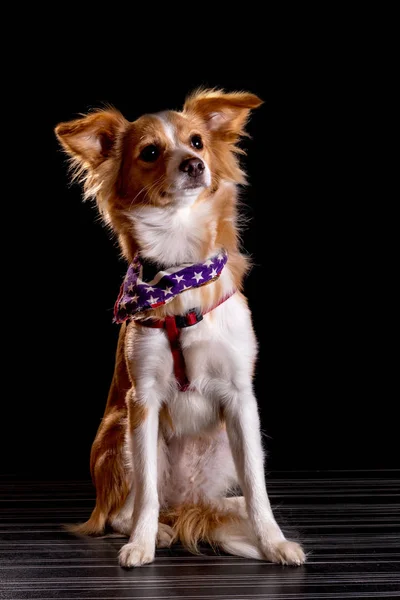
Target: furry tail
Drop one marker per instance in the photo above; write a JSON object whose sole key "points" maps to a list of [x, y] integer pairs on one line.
{"points": [[94, 526], [218, 526]]}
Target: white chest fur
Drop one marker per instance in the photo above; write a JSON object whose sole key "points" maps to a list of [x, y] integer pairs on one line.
{"points": [[174, 235], [219, 353]]}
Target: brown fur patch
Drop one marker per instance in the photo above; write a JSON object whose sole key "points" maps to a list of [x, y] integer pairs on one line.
{"points": [[94, 526], [137, 415], [107, 465], [121, 383], [139, 181], [108, 472]]}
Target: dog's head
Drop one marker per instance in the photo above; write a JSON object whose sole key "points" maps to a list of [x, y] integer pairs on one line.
{"points": [[164, 158]]}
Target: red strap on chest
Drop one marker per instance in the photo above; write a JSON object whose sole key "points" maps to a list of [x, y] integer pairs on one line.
{"points": [[173, 325], [173, 334]]}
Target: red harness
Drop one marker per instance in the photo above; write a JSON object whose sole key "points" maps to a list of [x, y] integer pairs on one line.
{"points": [[173, 325]]}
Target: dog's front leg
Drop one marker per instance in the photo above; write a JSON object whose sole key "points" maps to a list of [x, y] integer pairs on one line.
{"points": [[243, 428], [143, 429]]}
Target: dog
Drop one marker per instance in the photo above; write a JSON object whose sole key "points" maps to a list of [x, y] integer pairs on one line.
{"points": [[181, 431]]}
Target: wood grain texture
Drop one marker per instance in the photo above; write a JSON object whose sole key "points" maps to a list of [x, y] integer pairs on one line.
{"points": [[349, 522]]}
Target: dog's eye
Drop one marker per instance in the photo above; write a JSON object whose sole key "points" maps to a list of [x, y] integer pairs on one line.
{"points": [[197, 142], [150, 153]]}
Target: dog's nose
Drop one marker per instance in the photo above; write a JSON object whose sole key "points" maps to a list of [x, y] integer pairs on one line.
{"points": [[194, 167]]}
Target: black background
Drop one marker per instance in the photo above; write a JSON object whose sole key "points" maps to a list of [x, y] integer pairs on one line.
{"points": [[321, 301]]}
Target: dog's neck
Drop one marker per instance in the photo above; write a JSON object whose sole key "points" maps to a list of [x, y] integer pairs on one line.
{"points": [[180, 233]]}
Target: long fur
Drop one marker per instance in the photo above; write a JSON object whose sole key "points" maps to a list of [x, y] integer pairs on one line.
{"points": [[163, 461], [197, 523]]}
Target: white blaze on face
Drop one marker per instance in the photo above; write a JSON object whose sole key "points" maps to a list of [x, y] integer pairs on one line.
{"points": [[168, 128], [178, 152]]}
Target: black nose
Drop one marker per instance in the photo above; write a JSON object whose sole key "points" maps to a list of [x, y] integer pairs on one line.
{"points": [[194, 167]]}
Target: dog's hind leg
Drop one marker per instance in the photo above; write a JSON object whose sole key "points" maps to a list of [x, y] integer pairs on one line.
{"points": [[122, 521], [107, 459], [108, 472], [237, 537]]}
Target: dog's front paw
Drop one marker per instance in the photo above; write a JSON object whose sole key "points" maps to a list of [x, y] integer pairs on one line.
{"points": [[285, 553], [136, 554]]}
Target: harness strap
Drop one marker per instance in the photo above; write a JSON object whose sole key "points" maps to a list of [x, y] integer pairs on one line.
{"points": [[172, 325], [173, 333]]}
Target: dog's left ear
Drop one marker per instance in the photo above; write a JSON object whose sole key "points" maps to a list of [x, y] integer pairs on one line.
{"points": [[225, 114], [92, 139]]}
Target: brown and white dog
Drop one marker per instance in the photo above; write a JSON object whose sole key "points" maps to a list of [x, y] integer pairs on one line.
{"points": [[164, 461]]}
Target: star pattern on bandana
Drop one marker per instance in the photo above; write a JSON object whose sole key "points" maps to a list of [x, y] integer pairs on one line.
{"points": [[198, 276], [137, 295]]}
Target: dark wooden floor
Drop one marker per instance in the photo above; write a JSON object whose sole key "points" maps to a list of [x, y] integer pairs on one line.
{"points": [[349, 523]]}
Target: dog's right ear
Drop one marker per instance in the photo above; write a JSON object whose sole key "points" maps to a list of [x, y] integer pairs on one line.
{"points": [[93, 138]]}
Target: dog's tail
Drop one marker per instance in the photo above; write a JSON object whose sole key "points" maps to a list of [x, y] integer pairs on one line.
{"points": [[220, 525], [95, 525]]}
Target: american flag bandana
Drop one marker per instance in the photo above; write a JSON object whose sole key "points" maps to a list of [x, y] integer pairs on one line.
{"points": [[137, 295]]}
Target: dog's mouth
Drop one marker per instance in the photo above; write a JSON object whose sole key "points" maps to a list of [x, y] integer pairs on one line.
{"points": [[195, 185], [186, 189]]}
